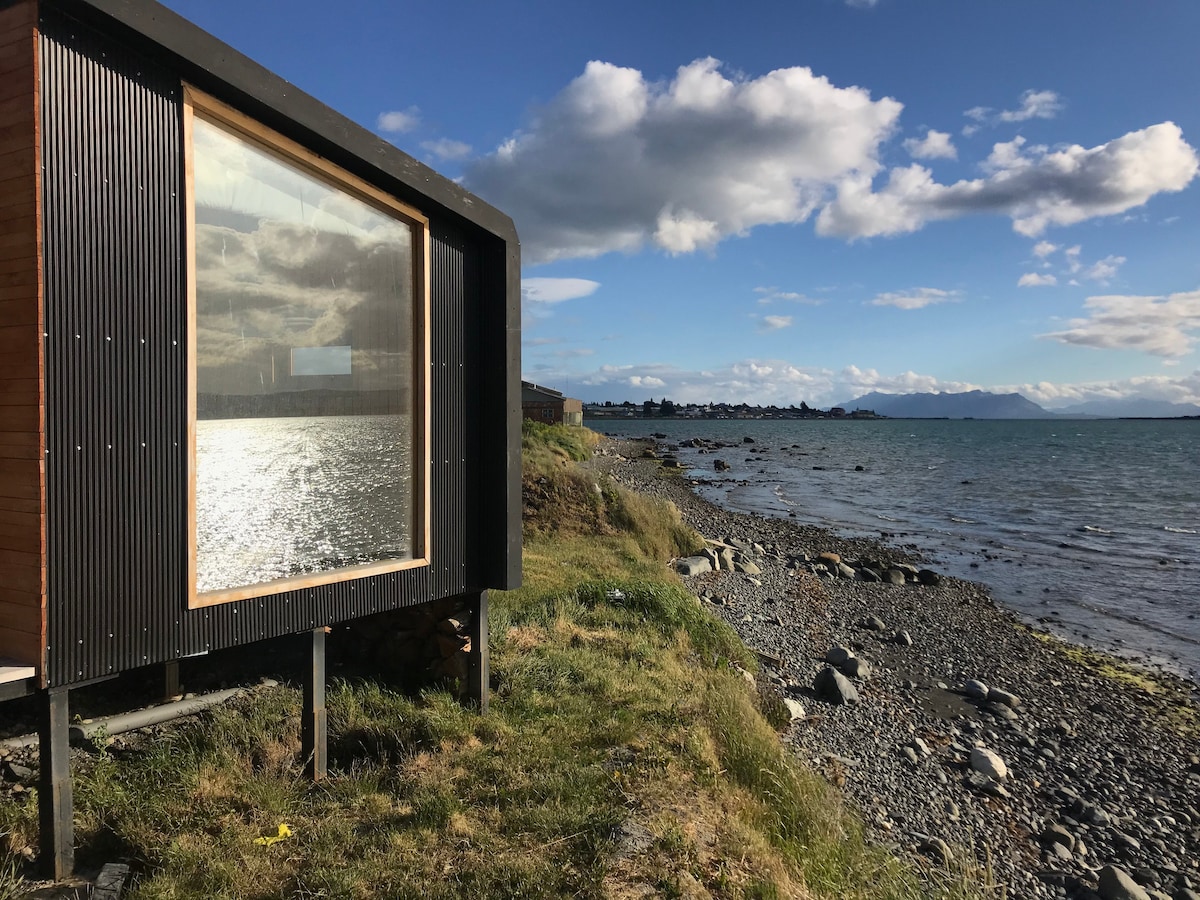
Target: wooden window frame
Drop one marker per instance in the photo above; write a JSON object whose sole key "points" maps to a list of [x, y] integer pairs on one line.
{"points": [[195, 103]]}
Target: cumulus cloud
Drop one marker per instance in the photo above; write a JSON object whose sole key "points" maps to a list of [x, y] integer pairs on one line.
{"points": [[556, 290], [774, 323], [1162, 326], [917, 298], [1033, 279], [1179, 389], [935, 145], [1034, 105], [616, 161], [1042, 249], [1034, 186], [446, 149], [399, 120]]}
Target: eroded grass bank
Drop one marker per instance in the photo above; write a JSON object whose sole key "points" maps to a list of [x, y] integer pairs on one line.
{"points": [[623, 755]]}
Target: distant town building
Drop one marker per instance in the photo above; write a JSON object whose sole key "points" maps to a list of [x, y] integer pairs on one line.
{"points": [[543, 404]]}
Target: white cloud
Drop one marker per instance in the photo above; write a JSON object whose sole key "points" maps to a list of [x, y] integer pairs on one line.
{"points": [[1105, 269], [774, 323], [617, 161], [862, 4], [779, 382], [935, 145], [1072, 255], [1042, 249], [1035, 187], [398, 121], [1034, 105], [645, 381], [1033, 279], [773, 294], [917, 298], [1162, 326], [1180, 389], [446, 149], [556, 290], [761, 382]]}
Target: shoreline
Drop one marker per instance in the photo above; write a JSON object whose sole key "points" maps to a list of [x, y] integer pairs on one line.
{"points": [[1100, 755]]}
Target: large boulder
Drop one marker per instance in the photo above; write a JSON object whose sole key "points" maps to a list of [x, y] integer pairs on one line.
{"points": [[837, 654], [988, 763], [692, 565], [1116, 884], [834, 687]]}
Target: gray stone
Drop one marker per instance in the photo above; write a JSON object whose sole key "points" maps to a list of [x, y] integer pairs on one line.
{"points": [[988, 763], [713, 559], [874, 623], [17, 772], [975, 689], [903, 638], [856, 667], [870, 575], [845, 571], [995, 695], [834, 687], [837, 655], [1116, 884], [938, 849], [910, 754], [692, 565], [795, 710], [725, 557], [985, 785], [1056, 834], [929, 578], [746, 567], [895, 576]]}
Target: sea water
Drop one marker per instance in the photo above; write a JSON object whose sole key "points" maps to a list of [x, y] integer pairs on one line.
{"points": [[1090, 526]]}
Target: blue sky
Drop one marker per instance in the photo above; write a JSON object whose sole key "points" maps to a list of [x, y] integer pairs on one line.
{"points": [[807, 200]]}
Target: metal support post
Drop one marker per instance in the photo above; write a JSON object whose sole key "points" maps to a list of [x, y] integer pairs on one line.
{"points": [[56, 809], [479, 670], [171, 679], [315, 730]]}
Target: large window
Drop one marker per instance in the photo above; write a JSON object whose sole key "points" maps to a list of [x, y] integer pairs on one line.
{"points": [[308, 346]]}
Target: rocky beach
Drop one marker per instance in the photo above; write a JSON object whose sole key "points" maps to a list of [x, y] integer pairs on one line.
{"points": [[964, 737]]}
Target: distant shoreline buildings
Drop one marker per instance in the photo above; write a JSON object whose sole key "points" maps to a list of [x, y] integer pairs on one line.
{"points": [[665, 409]]}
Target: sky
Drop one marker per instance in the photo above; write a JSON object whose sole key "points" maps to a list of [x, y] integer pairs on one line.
{"points": [[801, 201]]}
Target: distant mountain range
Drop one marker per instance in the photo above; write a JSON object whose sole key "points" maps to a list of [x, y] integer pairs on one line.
{"points": [[985, 405], [968, 405], [1127, 407]]}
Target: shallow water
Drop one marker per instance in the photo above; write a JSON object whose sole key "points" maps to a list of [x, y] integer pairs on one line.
{"points": [[1094, 525]]}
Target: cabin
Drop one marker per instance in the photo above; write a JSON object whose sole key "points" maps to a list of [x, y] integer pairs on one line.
{"points": [[259, 374], [546, 405]]}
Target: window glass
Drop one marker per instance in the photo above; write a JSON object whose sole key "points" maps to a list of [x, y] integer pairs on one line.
{"points": [[306, 457]]}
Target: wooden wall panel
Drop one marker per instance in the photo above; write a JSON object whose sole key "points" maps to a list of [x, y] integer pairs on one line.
{"points": [[22, 389]]}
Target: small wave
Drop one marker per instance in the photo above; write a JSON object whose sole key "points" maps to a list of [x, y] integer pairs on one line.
{"points": [[959, 521], [885, 518], [1180, 530], [1095, 529]]}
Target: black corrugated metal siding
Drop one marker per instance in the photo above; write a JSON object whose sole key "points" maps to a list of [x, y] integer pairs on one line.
{"points": [[116, 375]]}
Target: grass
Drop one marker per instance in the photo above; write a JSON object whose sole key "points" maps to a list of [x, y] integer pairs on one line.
{"points": [[623, 754]]}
